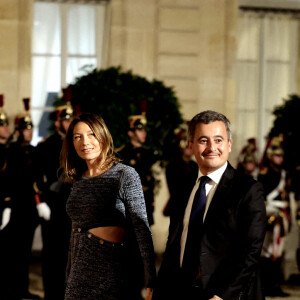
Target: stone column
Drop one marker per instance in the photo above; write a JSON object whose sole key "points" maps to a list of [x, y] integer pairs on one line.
{"points": [[15, 53], [132, 36]]}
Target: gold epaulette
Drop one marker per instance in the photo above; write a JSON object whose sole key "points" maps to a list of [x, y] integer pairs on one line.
{"points": [[36, 189], [263, 171], [6, 199]]}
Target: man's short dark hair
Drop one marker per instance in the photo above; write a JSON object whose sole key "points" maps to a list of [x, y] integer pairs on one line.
{"points": [[207, 117]]}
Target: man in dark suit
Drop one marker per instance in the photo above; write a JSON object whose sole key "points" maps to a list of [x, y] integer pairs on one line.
{"points": [[218, 258]]}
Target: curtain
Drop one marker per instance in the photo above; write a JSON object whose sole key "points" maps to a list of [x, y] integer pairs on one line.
{"points": [[45, 60], [80, 20], [64, 41], [76, 1], [267, 57]]}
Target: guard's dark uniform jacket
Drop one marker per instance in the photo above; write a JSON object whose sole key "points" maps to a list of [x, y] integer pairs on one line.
{"points": [[55, 232], [3, 163], [17, 236], [4, 251]]}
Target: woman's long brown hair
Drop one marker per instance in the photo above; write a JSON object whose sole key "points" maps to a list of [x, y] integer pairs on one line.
{"points": [[72, 165]]}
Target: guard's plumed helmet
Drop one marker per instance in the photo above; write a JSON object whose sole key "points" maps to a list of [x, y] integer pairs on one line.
{"points": [[24, 121], [181, 134], [65, 112], [3, 115], [275, 147], [137, 122]]}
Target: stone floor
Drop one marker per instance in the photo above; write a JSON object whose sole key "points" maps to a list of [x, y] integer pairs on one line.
{"points": [[35, 276], [160, 233], [36, 285], [293, 290]]}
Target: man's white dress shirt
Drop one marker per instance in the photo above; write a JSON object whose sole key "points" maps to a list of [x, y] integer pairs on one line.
{"points": [[210, 189]]}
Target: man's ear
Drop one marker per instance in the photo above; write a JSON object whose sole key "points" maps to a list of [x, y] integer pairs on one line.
{"points": [[57, 124], [230, 145], [130, 133], [190, 144]]}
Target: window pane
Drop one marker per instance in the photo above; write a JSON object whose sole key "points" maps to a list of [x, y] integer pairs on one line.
{"points": [[81, 30], [249, 121], [277, 37], [277, 81], [45, 78], [248, 73], [46, 29], [78, 67], [248, 46]]}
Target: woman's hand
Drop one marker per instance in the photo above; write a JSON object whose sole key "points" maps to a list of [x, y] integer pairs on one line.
{"points": [[148, 293]]}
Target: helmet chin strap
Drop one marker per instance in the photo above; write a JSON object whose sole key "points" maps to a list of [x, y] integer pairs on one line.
{"points": [[62, 129], [3, 139], [135, 140]]}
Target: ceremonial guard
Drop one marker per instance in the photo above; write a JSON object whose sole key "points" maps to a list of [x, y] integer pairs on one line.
{"points": [[273, 176], [4, 137], [136, 155], [181, 174], [20, 197], [247, 159], [5, 209], [53, 194], [4, 128], [295, 180]]}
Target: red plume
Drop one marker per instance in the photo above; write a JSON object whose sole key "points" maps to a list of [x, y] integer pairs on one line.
{"points": [[77, 109], [67, 94], [143, 106], [26, 103]]}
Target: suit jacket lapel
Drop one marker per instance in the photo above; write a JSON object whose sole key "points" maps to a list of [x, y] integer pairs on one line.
{"points": [[220, 191], [175, 236], [176, 233]]}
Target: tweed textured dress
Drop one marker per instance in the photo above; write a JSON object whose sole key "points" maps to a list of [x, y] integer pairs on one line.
{"points": [[114, 198]]}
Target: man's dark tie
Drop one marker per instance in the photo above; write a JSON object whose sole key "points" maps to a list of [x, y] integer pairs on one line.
{"points": [[190, 262]]}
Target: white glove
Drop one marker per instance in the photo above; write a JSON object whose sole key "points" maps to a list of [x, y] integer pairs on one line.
{"points": [[272, 210], [44, 211], [5, 217]]}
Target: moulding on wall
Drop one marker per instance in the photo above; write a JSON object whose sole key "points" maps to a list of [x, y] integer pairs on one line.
{"points": [[271, 4], [76, 1]]}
